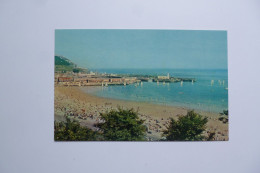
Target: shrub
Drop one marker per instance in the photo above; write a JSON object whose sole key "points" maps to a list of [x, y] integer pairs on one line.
{"points": [[70, 130], [225, 112], [187, 128], [122, 125], [223, 119], [211, 136]]}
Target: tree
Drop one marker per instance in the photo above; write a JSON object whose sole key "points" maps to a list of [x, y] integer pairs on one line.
{"points": [[122, 125], [70, 130], [75, 70], [186, 128]]}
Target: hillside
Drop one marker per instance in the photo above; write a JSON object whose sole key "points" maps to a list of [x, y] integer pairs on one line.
{"points": [[60, 60], [64, 65]]}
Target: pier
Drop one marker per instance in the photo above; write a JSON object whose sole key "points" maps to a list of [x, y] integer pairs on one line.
{"points": [[93, 79]]}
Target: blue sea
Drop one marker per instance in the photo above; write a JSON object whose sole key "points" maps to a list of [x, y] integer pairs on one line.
{"points": [[204, 94]]}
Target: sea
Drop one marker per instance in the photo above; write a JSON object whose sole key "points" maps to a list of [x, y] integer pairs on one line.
{"points": [[209, 92]]}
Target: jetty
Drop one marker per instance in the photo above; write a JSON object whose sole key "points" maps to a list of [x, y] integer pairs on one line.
{"points": [[103, 79]]}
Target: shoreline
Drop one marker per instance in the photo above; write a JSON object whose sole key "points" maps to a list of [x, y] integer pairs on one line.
{"points": [[86, 108], [152, 103], [198, 107]]}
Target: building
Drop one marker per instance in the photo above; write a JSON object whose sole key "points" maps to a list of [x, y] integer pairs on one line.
{"points": [[115, 80], [164, 77], [65, 79]]}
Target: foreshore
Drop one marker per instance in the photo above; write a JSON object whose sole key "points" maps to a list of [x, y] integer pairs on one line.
{"points": [[86, 108]]}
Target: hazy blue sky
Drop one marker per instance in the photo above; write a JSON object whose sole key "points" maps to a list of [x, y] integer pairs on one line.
{"points": [[143, 48]]}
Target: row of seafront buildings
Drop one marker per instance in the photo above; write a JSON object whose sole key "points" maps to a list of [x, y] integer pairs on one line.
{"points": [[91, 79]]}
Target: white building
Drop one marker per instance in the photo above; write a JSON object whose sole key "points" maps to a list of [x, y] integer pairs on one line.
{"points": [[164, 77]]}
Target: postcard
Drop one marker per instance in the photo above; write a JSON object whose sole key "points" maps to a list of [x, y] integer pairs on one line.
{"points": [[140, 85]]}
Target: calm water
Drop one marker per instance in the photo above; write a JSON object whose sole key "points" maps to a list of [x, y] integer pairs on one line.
{"points": [[200, 95]]}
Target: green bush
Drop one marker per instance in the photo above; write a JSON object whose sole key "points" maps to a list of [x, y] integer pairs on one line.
{"points": [[122, 125], [75, 70], [70, 130], [225, 112], [186, 128]]}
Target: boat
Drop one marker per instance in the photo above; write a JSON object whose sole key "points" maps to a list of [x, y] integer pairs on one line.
{"points": [[212, 82]]}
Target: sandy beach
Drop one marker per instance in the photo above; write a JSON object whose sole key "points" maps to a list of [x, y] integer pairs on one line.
{"points": [[86, 108]]}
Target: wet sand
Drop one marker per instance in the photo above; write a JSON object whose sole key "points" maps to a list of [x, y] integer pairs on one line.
{"points": [[86, 109]]}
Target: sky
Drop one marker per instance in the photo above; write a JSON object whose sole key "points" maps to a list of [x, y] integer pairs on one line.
{"points": [[143, 49]]}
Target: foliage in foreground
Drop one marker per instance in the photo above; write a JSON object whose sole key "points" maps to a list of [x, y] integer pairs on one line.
{"points": [[225, 112], [70, 130], [187, 128], [125, 125], [122, 125]]}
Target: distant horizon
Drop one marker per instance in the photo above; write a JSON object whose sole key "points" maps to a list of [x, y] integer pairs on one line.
{"points": [[167, 68], [92, 69]]}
